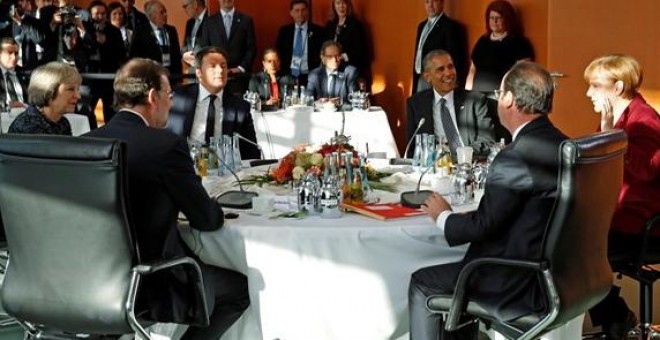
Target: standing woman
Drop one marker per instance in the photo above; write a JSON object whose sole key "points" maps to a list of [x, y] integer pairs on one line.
{"points": [[118, 19], [53, 91], [349, 32], [498, 49]]}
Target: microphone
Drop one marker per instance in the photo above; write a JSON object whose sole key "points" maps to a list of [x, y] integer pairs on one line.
{"points": [[261, 151], [415, 199], [240, 199], [405, 160], [419, 126]]}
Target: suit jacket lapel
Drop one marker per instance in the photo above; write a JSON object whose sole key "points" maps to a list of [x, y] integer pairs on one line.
{"points": [[228, 114], [190, 107], [461, 116]]}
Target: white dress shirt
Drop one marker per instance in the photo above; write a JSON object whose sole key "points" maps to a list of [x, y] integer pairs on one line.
{"points": [[438, 129], [198, 130]]}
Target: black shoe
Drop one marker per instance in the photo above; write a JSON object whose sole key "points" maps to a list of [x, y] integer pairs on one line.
{"points": [[619, 330]]}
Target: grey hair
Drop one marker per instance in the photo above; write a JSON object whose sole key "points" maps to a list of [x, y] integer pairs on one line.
{"points": [[532, 86], [426, 62], [46, 79]]}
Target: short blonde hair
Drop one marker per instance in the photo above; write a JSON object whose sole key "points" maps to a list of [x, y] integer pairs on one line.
{"points": [[618, 67], [46, 79]]}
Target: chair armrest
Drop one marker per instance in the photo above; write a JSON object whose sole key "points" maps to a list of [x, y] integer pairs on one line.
{"points": [[651, 224], [156, 266], [150, 268], [459, 301]]}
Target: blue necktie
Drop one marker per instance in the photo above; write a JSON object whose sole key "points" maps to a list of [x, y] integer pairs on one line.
{"points": [[298, 51], [227, 22]]}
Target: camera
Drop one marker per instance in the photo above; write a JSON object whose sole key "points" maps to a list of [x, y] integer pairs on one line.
{"points": [[68, 15]]}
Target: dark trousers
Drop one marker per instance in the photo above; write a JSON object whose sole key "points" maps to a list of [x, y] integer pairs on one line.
{"points": [[226, 298], [102, 90], [623, 248], [434, 280]]}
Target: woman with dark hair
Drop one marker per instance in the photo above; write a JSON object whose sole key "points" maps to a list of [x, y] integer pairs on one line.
{"points": [[348, 31], [498, 49], [118, 19], [270, 83], [53, 91]]}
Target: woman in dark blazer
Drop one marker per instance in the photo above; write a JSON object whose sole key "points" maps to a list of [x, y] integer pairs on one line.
{"points": [[270, 83], [349, 32]]}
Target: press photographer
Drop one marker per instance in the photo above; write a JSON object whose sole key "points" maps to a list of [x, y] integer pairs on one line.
{"points": [[17, 21]]}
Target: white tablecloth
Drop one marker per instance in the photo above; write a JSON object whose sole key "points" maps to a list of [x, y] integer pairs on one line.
{"points": [[279, 131], [320, 279], [79, 123]]}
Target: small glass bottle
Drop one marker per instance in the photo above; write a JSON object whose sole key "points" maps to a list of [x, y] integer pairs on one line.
{"points": [[213, 156], [346, 191], [357, 193], [228, 152], [419, 146], [329, 198], [236, 153]]}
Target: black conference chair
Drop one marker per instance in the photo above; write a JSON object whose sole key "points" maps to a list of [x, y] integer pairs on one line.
{"points": [[73, 264], [637, 266], [574, 271]]}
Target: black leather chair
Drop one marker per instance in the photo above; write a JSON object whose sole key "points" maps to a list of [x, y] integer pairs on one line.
{"points": [[637, 267], [574, 270], [74, 267]]}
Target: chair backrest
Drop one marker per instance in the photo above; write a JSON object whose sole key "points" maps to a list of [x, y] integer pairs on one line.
{"points": [[575, 244], [71, 249]]}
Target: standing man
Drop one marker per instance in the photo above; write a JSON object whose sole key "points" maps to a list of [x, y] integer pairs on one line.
{"points": [[438, 31], [459, 115], [27, 31], [299, 43], [204, 110], [196, 11], [232, 31], [14, 82], [163, 183], [157, 40], [134, 18], [333, 80], [520, 193]]}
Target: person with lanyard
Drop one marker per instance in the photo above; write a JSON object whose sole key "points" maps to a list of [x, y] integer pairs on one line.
{"points": [[197, 14], [438, 31], [299, 43], [157, 40]]}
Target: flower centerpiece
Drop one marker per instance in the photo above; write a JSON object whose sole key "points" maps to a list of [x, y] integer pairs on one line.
{"points": [[310, 159]]}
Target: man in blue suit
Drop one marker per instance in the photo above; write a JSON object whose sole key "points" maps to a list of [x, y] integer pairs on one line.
{"points": [[333, 80], [205, 109]]}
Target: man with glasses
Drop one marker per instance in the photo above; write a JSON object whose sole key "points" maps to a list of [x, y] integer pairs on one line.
{"points": [[333, 80], [458, 116], [510, 222], [163, 184]]}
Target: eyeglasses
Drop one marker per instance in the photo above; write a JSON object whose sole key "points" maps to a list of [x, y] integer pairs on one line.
{"points": [[185, 5], [498, 93], [170, 93]]}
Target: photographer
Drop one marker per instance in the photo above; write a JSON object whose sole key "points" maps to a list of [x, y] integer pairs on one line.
{"points": [[71, 41], [109, 54], [17, 22]]}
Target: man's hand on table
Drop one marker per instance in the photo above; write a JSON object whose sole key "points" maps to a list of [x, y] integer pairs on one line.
{"points": [[434, 205]]}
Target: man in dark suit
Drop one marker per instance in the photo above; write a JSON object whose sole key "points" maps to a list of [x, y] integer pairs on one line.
{"points": [[299, 43], [28, 31], [134, 18], [157, 40], [232, 31], [510, 222], [205, 110], [467, 111], [439, 31], [13, 84], [332, 80], [163, 183], [197, 16]]}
